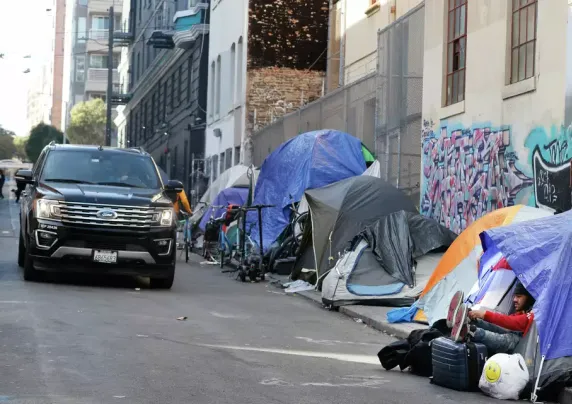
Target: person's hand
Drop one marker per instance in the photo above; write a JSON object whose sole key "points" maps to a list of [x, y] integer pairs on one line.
{"points": [[476, 314]]}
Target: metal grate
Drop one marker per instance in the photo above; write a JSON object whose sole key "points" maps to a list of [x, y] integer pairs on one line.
{"points": [[127, 216]]}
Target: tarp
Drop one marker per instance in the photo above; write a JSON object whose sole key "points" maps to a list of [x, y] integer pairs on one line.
{"points": [[307, 161], [234, 196], [389, 262], [458, 269], [540, 254], [340, 211]]}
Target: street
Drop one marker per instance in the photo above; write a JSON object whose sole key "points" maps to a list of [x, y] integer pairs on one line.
{"points": [[86, 339]]}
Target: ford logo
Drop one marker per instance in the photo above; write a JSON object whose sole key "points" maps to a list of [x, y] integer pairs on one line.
{"points": [[106, 214]]}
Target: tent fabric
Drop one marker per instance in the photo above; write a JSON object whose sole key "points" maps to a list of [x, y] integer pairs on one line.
{"points": [[540, 254], [458, 270], [390, 264], [341, 210], [310, 160], [234, 196], [399, 238]]}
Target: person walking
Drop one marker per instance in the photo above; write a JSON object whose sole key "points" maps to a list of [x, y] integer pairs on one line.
{"points": [[2, 181]]}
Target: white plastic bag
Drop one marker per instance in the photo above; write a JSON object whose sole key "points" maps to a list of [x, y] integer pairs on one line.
{"points": [[504, 376]]}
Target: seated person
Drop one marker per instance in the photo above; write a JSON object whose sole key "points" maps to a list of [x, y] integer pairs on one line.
{"points": [[500, 333]]}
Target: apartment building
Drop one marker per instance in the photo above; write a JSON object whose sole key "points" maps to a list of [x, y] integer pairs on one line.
{"points": [[163, 88], [268, 60], [87, 37], [39, 103], [352, 44], [497, 111]]}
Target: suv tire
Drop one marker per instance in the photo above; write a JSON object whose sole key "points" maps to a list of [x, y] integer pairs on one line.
{"points": [[21, 252], [163, 283], [30, 273]]}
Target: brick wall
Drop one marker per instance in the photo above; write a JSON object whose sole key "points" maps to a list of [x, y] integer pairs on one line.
{"points": [[276, 91]]}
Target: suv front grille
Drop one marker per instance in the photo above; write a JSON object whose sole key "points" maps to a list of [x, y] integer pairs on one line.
{"points": [[87, 214]]}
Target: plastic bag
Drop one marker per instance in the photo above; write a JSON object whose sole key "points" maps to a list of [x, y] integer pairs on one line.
{"points": [[504, 376]]}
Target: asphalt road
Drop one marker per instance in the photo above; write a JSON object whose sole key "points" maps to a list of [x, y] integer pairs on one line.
{"points": [[94, 340]]}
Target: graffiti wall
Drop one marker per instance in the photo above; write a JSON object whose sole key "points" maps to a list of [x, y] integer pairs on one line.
{"points": [[468, 172]]}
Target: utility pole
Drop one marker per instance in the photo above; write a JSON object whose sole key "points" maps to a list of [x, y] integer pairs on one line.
{"points": [[109, 78]]}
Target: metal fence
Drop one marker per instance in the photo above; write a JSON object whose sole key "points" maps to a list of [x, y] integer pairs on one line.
{"points": [[350, 109], [399, 101], [382, 109]]}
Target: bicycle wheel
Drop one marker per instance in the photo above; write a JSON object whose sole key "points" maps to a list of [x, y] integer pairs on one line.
{"points": [[187, 251]]}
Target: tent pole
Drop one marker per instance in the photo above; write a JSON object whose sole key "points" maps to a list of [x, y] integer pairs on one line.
{"points": [[533, 396]]}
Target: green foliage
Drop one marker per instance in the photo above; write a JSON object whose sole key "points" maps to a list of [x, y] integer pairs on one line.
{"points": [[40, 136], [20, 143], [87, 123], [7, 148]]}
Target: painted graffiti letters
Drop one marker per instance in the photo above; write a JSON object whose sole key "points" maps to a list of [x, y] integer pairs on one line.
{"points": [[551, 183]]}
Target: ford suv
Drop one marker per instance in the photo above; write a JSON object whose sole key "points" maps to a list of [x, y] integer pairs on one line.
{"points": [[99, 210]]}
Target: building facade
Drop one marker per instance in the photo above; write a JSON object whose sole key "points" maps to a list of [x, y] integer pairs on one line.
{"points": [[58, 65], [266, 61], [87, 33], [165, 92], [496, 109], [352, 40]]}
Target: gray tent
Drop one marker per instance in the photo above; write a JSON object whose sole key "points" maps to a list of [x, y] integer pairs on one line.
{"points": [[389, 262], [339, 212]]}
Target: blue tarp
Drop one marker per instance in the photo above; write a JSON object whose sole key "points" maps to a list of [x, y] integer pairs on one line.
{"points": [[310, 160], [229, 196], [540, 254]]}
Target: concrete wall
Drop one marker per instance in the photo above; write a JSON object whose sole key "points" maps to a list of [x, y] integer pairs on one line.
{"points": [[479, 154]]}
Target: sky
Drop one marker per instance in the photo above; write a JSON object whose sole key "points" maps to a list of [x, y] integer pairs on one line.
{"points": [[16, 41]]}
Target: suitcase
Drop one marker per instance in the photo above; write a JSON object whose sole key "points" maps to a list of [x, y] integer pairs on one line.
{"points": [[457, 365]]}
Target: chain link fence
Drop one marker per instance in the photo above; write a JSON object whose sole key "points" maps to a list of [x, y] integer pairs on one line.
{"points": [[399, 101]]}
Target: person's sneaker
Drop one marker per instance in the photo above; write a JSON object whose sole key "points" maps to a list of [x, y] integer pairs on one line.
{"points": [[460, 327], [454, 305]]}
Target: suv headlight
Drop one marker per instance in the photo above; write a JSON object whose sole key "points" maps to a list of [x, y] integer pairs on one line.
{"points": [[47, 209], [164, 217]]}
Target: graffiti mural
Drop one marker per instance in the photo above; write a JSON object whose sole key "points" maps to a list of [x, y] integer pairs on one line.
{"points": [[468, 172]]}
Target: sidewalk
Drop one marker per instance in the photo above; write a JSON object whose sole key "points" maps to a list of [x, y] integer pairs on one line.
{"points": [[376, 318]]}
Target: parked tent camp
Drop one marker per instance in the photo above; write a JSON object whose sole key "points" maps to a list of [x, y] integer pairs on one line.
{"points": [[310, 160], [458, 269], [389, 262], [234, 196], [339, 212]]}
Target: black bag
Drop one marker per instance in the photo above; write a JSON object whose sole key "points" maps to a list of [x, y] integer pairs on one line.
{"points": [[457, 365]]}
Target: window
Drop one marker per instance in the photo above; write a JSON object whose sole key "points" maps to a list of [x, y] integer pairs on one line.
{"points": [[174, 167], [212, 95], [228, 162], [218, 80], [80, 68], [153, 110], [81, 29], [456, 51], [523, 40], [172, 98], [239, 61], [164, 99], [232, 72], [186, 165], [99, 22], [189, 77], [97, 96], [138, 66], [100, 61], [180, 81], [236, 155], [222, 162], [215, 166], [208, 167]]}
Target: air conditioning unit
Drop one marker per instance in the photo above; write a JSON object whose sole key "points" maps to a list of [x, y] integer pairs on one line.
{"points": [[217, 132]]}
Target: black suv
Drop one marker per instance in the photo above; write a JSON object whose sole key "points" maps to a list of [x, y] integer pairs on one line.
{"points": [[99, 210]]}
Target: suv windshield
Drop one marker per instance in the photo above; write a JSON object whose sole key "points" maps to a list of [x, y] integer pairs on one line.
{"points": [[101, 167]]}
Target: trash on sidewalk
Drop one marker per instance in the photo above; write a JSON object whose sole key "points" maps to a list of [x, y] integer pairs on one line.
{"points": [[298, 286], [182, 318]]}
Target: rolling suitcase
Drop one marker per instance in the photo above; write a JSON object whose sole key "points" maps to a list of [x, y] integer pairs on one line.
{"points": [[457, 365]]}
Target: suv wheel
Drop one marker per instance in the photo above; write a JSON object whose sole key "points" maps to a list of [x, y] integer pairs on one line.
{"points": [[163, 283], [30, 272], [21, 251]]}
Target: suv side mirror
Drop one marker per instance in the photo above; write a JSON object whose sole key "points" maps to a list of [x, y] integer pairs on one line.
{"points": [[174, 186], [24, 176]]}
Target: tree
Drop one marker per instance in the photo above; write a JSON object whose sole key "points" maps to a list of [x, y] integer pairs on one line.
{"points": [[87, 123], [7, 148], [20, 144], [40, 136]]}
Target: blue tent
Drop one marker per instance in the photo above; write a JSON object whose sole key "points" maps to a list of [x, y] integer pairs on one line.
{"points": [[228, 196], [310, 160]]}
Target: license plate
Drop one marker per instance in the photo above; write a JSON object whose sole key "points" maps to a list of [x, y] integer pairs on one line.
{"points": [[106, 257]]}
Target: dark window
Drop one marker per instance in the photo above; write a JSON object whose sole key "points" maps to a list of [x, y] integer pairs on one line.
{"points": [[523, 39], [186, 165], [180, 82], [456, 51], [228, 156], [174, 166], [138, 66], [173, 91], [189, 77], [164, 99], [236, 155]]}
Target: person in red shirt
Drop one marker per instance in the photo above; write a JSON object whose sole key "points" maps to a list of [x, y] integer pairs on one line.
{"points": [[500, 333]]}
